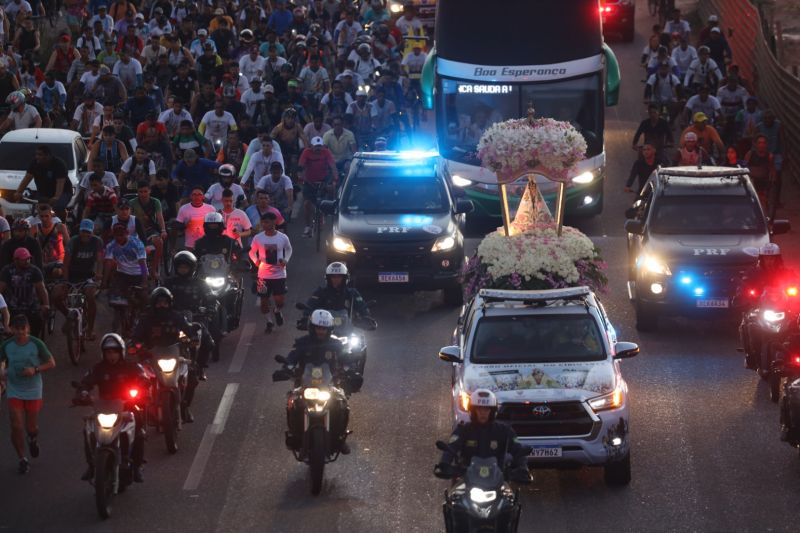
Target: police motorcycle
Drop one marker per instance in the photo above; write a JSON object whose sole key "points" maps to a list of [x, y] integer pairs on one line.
{"points": [[110, 431], [168, 369], [222, 282], [480, 499], [788, 368]]}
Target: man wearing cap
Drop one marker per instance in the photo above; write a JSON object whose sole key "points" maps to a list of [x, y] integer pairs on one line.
{"points": [[316, 168], [110, 89], [83, 262], [733, 98], [747, 121], [361, 114], [90, 41], [253, 96], [216, 22], [198, 45], [720, 50], [22, 286], [706, 103], [252, 64], [62, 57], [690, 153], [280, 19], [159, 23], [706, 135], [172, 118], [702, 71]]}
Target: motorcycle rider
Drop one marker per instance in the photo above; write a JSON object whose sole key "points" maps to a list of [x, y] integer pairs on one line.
{"points": [[335, 294], [483, 437], [317, 348], [161, 326], [190, 294], [112, 376]]}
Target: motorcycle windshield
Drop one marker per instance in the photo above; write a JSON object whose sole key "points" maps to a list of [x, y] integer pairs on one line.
{"points": [[484, 473], [317, 376], [168, 352], [213, 266], [109, 406], [341, 322]]}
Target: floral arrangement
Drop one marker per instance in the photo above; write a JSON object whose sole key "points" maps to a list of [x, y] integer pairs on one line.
{"points": [[535, 261], [515, 147]]}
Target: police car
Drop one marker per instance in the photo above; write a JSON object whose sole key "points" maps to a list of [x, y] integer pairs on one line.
{"points": [[552, 359], [691, 234], [397, 224]]}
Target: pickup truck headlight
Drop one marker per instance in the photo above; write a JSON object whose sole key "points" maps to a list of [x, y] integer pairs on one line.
{"points": [[443, 244], [612, 400], [583, 179], [653, 265], [343, 244]]}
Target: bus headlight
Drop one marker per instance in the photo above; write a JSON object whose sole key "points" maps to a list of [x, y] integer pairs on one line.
{"points": [[583, 179], [458, 181]]}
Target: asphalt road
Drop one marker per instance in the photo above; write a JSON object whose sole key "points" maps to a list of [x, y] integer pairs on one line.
{"points": [[706, 454]]}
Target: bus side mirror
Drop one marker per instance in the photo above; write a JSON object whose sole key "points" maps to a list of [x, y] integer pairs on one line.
{"points": [[428, 79], [612, 76]]}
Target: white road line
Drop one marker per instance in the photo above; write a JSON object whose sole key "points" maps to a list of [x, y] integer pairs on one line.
{"points": [[240, 354], [207, 444]]}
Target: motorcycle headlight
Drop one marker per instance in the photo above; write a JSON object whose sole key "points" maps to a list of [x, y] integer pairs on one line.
{"points": [[215, 283], [612, 400], [396, 7], [774, 316], [343, 244], [313, 393], [653, 265], [482, 496], [355, 342], [107, 421], [167, 365], [443, 244]]}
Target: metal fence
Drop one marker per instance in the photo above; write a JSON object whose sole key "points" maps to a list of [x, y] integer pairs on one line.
{"points": [[775, 87]]}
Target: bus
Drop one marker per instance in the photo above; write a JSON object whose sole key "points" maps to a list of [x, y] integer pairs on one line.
{"points": [[493, 61]]}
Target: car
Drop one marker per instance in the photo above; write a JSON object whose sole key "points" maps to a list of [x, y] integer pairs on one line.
{"points": [[17, 148], [619, 17], [397, 224], [552, 359], [691, 233]]}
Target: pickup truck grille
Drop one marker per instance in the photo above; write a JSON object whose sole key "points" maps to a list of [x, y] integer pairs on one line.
{"points": [[546, 419], [394, 256]]}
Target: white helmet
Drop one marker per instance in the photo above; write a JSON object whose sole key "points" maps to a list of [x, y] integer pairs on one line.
{"points": [[769, 249], [213, 218], [483, 398], [336, 268], [227, 171], [112, 341], [322, 319]]}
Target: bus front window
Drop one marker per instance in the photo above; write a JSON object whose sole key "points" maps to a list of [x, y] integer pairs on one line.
{"points": [[468, 108]]}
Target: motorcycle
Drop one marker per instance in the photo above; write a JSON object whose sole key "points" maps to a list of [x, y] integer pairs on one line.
{"points": [[354, 343], [789, 369], [168, 368], [217, 273], [314, 407], [480, 500], [110, 432]]}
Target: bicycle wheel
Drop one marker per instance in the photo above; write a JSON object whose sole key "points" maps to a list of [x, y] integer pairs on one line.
{"points": [[317, 227], [74, 341]]}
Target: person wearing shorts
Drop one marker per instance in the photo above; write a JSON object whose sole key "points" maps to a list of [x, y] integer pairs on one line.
{"points": [[23, 358], [270, 251]]}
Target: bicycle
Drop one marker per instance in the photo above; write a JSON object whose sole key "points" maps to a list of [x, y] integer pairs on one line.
{"points": [[76, 325], [323, 188]]}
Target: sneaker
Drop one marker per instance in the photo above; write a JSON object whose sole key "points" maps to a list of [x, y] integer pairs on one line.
{"points": [[278, 318], [186, 415], [24, 466], [33, 446], [138, 477], [201, 375], [269, 327], [307, 231]]}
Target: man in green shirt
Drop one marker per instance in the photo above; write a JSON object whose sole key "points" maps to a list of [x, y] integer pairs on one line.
{"points": [[22, 360]]}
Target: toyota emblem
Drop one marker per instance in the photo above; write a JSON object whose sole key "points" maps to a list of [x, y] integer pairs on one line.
{"points": [[542, 411]]}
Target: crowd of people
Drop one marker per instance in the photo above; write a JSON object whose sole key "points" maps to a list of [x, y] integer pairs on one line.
{"points": [[721, 120]]}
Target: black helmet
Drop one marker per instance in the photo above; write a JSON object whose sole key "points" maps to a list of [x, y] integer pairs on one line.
{"points": [[159, 293], [185, 257]]}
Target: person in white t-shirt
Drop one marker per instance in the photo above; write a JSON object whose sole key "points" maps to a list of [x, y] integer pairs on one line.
{"points": [[216, 124], [192, 216], [684, 55], [280, 189], [237, 223], [252, 96], [172, 118], [252, 64], [270, 251], [215, 193], [259, 164]]}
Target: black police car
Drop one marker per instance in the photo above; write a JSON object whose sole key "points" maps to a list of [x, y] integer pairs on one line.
{"points": [[619, 17], [398, 225], [691, 233]]}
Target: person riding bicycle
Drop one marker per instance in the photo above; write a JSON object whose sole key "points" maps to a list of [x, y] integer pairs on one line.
{"points": [[83, 264], [148, 212], [125, 264], [114, 376], [226, 174], [21, 238], [160, 327], [22, 286], [316, 169], [484, 437], [22, 115], [190, 294], [131, 223], [691, 153], [336, 294], [101, 203], [702, 71], [280, 189], [664, 90], [654, 130]]}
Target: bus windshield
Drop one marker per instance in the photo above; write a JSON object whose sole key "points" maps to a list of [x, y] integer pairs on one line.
{"points": [[467, 108]]}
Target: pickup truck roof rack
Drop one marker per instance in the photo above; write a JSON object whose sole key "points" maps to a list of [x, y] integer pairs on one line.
{"points": [[539, 298]]}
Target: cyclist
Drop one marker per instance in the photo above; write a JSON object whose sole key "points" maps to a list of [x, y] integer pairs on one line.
{"points": [[664, 90], [83, 263], [654, 130], [733, 98], [289, 135], [194, 171], [22, 286], [214, 193], [21, 238], [260, 163], [22, 115], [280, 190], [316, 169], [125, 264], [341, 142], [191, 215], [139, 167], [110, 149], [148, 212], [100, 204], [707, 136], [691, 153], [49, 173], [706, 103]]}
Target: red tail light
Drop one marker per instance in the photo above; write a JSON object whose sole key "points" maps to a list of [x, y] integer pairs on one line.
{"points": [[791, 291], [751, 292], [133, 393], [796, 360], [605, 9]]}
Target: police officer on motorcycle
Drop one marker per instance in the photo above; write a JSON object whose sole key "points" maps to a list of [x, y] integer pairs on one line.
{"points": [[161, 326], [190, 295], [112, 376], [318, 348], [484, 437], [335, 295]]}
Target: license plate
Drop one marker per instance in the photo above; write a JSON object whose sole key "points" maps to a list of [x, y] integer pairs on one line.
{"points": [[546, 451], [393, 277], [717, 303]]}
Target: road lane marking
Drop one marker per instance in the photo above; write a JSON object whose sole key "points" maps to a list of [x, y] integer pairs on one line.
{"points": [[240, 354], [207, 444]]}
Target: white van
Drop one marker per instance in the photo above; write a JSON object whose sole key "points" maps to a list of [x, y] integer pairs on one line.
{"points": [[16, 153]]}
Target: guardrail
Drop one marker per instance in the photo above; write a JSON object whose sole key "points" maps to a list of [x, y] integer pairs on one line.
{"points": [[773, 84]]}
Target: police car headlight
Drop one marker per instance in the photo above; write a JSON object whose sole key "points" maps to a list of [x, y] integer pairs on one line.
{"points": [[458, 181], [215, 283], [583, 179], [653, 265], [343, 244], [442, 244]]}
